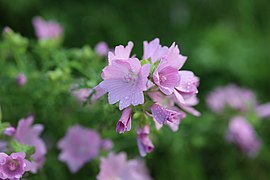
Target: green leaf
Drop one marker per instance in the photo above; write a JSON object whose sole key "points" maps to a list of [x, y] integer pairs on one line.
{"points": [[17, 147]]}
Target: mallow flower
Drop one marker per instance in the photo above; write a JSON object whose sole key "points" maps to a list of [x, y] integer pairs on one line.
{"points": [[124, 124], [120, 53], [154, 50], [125, 81], [167, 116], [13, 166], [144, 143], [241, 133], [102, 48], [79, 146], [29, 134], [47, 29], [116, 166], [21, 79], [187, 86], [232, 96]]}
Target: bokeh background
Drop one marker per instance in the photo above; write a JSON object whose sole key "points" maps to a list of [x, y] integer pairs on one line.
{"points": [[225, 41]]}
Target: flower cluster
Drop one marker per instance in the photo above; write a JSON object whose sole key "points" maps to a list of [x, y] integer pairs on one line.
{"points": [[242, 102], [116, 166], [81, 145], [28, 134], [156, 83], [13, 166]]}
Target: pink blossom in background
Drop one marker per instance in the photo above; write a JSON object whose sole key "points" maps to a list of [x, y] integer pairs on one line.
{"points": [[125, 81], [116, 166], [263, 110], [106, 144], [124, 124], [29, 134], [47, 29], [13, 166], [9, 131], [120, 53], [79, 146], [232, 96], [144, 143], [3, 146], [241, 133], [102, 48], [82, 94], [7, 29], [154, 50], [21, 79]]}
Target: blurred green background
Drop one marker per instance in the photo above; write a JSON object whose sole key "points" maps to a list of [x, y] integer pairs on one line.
{"points": [[225, 41]]}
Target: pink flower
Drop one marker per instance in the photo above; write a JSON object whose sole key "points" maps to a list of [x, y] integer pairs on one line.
{"points": [[79, 146], [187, 86], [166, 116], [116, 166], [173, 58], [166, 79], [243, 135], [82, 94], [7, 29], [125, 81], [102, 48], [13, 166], [9, 131], [144, 143], [124, 124], [235, 97], [120, 53], [107, 144], [28, 134], [21, 79], [47, 29], [263, 110], [153, 50]]}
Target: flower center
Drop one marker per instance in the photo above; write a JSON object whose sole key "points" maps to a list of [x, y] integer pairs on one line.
{"points": [[163, 79], [131, 78], [12, 165]]}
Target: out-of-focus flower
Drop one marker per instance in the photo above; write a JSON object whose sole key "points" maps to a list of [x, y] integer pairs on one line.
{"points": [[102, 48], [124, 124], [13, 166], [145, 145], [28, 134], [9, 131], [7, 29], [21, 79], [47, 29], [3, 146], [79, 146], [153, 50], [232, 96], [106, 144], [263, 110], [82, 94], [243, 135], [120, 53], [125, 81], [116, 166]]}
